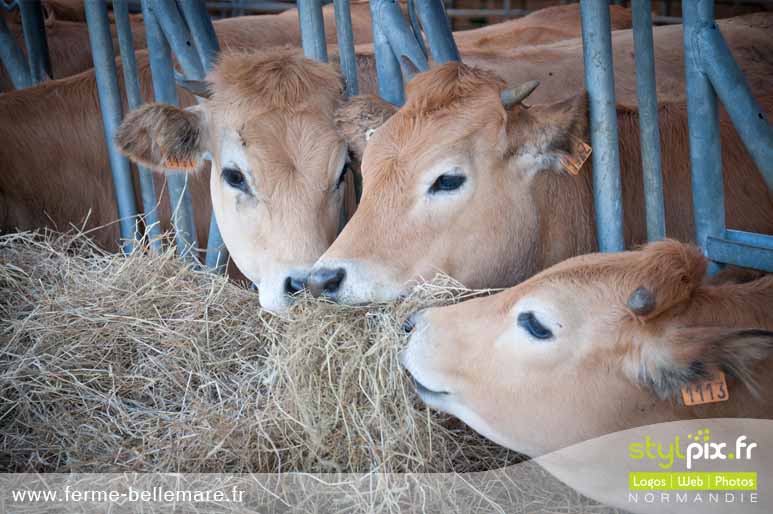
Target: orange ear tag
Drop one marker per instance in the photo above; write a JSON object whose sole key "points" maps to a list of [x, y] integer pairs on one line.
{"points": [[174, 164], [706, 391], [580, 153]]}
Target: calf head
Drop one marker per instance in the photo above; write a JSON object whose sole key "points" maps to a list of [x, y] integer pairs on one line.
{"points": [[456, 181], [278, 165], [596, 344]]}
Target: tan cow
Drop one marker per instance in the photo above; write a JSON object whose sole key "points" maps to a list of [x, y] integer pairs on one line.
{"points": [[278, 167], [597, 344], [455, 182], [33, 195]]}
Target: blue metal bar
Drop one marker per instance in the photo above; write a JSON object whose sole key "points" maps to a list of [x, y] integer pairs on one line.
{"points": [[401, 38], [178, 37], [203, 32], [433, 18], [416, 26], [12, 58], [649, 131], [165, 92], [600, 83], [312, 29], [34, 28], [134, 98], [110, 104], [729, 83], [390, 78], [740, 253], [703, 123], [346, 55], [749, 238]]}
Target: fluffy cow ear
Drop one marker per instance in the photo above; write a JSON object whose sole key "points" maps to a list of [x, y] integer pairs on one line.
{"points": [[163, 137], [692, 354], [359, 117], [549, 137], [666, 274]]}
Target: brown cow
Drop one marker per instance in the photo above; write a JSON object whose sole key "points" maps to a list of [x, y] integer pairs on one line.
{"points": [[279, 168], [594, 345], [455, 182], [40, 112]]}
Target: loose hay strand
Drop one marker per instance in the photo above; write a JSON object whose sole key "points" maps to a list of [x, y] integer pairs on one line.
{"points": [[143, 363]]}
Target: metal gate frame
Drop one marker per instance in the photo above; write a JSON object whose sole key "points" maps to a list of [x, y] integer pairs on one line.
{"points": [[710, 71], [185, 28]]}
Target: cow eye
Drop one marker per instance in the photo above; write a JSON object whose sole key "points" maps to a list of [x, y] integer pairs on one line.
{"points": [[447, 182], [531, 324], [234, 178]]}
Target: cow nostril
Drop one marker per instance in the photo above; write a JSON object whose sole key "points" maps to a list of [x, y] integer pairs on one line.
{"points": [[409, 324], [326, 281], [293, 285]]}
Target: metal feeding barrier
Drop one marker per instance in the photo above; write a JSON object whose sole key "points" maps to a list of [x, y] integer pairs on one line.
{"points": [[185, 28], [710, 71]]}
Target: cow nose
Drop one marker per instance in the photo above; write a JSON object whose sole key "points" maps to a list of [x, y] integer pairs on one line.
{"points": [[325, 281], [294, 285]]}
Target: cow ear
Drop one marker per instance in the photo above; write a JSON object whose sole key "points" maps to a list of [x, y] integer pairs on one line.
{"points": [[664, 276], [691, 354], [163, 137], [549, 137], [358, 118]]}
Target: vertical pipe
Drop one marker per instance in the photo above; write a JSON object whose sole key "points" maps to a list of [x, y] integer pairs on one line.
{"points": [[401, 38], [312, 29], [134, 98], [13, 59], [600, 83], [649, 132], [416, 26], [178, 37], [730, 85], [110, 104], [432, 15], [165, 92], [390, 78], [34, 28], [203, 32], [703, 123], [346, 54]]}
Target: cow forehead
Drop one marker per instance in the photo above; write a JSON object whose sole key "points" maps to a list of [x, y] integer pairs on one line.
{"points": [[280, 140]]}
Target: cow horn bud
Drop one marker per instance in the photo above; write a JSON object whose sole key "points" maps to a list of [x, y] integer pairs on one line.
{"points": [[641, 301], [409, 68], [199, 88], [518, 94]]}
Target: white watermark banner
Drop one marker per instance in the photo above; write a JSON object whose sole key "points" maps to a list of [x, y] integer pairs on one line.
{"points": [[698, 466]]}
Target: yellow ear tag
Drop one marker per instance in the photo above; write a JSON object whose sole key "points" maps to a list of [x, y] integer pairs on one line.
{"points": [[580, 153], [712, 390]]}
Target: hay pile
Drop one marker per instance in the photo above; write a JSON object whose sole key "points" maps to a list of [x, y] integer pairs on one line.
{"points": [[141, 363]]}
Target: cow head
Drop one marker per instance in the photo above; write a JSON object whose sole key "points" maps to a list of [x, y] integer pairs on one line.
{"points": [[596, 344], [278, 164], [456, 182]]}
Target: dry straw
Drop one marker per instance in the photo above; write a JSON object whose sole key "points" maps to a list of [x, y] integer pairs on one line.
{"points": [[143, 363]]}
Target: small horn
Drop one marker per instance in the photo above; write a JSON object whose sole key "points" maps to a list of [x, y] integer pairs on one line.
{"points": [[409, 68], [518, 94], [641, 301], [199, 88]]}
